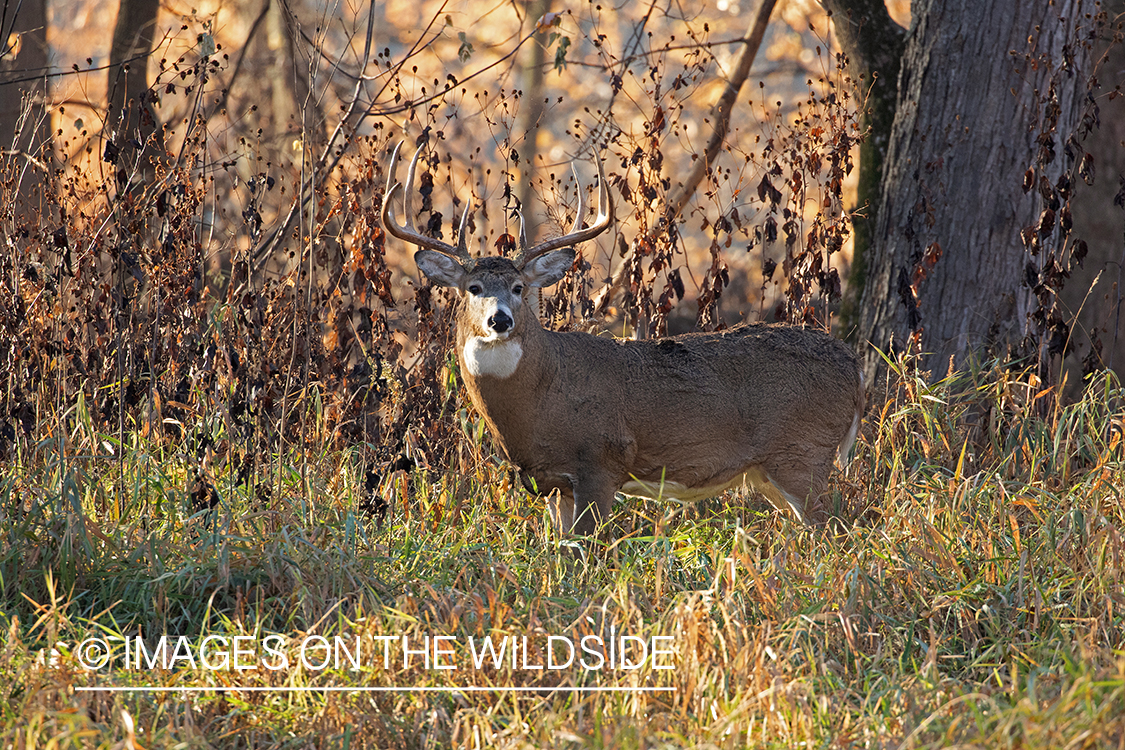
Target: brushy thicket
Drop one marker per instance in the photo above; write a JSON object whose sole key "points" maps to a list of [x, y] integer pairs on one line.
{"points": [[192, 450], [237, 312]]}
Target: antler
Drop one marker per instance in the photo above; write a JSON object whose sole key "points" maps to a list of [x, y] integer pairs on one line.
{"points": [[576, 234], [407, 232]]}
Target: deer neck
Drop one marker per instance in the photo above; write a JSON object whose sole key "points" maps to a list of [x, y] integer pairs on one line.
{"points": [[503, 378], [482, 359], [515, 357], [503, 364]]}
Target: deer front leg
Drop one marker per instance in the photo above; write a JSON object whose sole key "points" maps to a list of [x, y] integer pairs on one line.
{"points": [[593, 501], [560, 504]]}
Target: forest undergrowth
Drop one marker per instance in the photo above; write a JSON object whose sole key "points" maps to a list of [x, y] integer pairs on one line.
{"points": [[967, 591]]}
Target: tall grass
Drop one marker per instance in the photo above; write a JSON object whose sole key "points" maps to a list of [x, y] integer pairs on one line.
{"points": [[968, 592]]}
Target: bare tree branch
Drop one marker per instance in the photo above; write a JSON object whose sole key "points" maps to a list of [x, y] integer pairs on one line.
{"points": [[225, 99], [720, 115], [720, 119], [323, 166]]}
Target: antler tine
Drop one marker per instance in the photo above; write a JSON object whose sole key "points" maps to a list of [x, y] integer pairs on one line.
{"points": [[406, 231], [391, 168], [523, 236], [576, 234], [463, 234], [408, 191], [581, 197]]}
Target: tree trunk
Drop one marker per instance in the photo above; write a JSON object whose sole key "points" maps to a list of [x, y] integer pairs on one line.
{"points": [[1094, 292], [873, 44], [531, 112], [132, 120], [24, 124], [130, 108], [965, 132]]}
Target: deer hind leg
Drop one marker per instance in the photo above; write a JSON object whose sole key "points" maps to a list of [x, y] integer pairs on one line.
{"points": [[794, 486]]}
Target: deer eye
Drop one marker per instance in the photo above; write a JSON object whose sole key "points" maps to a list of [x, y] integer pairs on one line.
{"points": [[474, 289], [517, 289]]}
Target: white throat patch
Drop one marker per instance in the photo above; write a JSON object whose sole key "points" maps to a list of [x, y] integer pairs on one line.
{"points": [[496, 357]]}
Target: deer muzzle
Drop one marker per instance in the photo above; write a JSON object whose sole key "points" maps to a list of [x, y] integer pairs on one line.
{"points": [[500, 321]]}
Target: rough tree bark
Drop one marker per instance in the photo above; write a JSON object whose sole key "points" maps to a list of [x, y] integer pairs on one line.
{"points": [[964, 133]]}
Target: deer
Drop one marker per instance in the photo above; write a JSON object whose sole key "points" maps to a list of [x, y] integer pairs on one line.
{"points": [[585, 417]]}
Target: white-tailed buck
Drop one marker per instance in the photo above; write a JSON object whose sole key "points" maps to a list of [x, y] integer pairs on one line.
{"points": [[685, 417]]}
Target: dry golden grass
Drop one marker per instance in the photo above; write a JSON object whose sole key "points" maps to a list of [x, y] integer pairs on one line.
{"points": [[967, 593]]}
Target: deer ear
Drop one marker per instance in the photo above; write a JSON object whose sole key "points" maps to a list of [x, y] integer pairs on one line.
{"points": [[439, 269], [548, 268]]}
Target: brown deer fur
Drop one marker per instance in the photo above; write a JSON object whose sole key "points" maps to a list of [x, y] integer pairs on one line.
{"points": [[585, 416]]}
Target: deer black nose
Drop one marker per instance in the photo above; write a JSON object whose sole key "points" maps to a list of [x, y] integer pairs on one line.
{"points": [[500, 321]]}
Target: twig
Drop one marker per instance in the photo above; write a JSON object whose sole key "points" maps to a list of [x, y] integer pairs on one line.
{"points": [[269, 245], [720, 115], [264, 250], [30, 158], [73, 72], [242, 55]]}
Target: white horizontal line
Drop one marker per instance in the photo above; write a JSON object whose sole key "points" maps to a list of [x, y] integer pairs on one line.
{"points": [[392, 689]]}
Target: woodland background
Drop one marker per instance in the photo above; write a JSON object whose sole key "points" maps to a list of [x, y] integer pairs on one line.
{"points": [[228, 403], [234, 155]]}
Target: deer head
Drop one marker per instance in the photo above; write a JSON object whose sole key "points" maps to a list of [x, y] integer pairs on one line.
{"points": [[495, 290]]}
